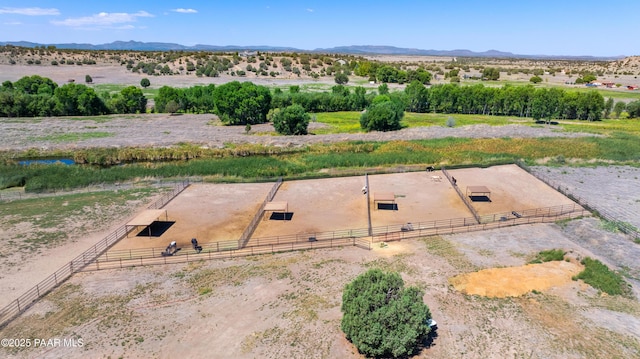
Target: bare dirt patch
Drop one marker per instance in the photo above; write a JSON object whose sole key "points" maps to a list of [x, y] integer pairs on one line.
{"points": [[516, 281]]}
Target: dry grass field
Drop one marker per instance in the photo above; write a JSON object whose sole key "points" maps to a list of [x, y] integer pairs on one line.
{"points": [[111, 67]]}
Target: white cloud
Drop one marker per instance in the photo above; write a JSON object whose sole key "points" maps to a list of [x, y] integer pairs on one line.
{"points": [[12, 23], [185, 11], [310, 10], [103, 19], [29, 11]]}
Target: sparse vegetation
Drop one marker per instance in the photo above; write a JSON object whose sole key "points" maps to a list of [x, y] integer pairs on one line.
{"points": [[549, 256], [602, 278]]}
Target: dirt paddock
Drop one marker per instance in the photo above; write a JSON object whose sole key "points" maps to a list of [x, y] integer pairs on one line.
{"points": [[221, 212]]}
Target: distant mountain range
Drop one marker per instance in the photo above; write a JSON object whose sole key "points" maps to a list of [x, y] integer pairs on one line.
{"points": [[353, 50]]}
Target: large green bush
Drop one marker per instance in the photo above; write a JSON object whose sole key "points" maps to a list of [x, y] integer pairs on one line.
{"points": [[291, 120], [242, 103], [383, 318], [382, 116]]}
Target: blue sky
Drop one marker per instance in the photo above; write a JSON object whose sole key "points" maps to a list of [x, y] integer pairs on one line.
{"points": [[561, 27]]}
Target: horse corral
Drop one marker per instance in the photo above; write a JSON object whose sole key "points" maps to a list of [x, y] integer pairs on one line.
{"points": [[221, 212]]}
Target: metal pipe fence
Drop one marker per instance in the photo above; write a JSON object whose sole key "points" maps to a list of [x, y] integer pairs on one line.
{"points": [[357, 238], [600, 212], [24, 301], [7, 196], [463, 197], [246, 235], [382, 233], [192, 256]]}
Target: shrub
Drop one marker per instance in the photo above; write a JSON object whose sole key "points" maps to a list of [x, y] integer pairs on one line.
{"points": [[451, 122], [381, 317]]}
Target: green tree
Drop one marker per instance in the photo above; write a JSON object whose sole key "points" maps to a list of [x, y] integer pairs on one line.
{"points": [[241, 103], [166, 94], [633, 108], [618, 108], [382, 115], [145, 82], [88, 79], [74, 100], [383, 89], [417, 97], [341, 78], [35, 85], [291, 120], [608, 107], [535, 79], [386, 73], [381, 317], [490, 74], [129, 100]]}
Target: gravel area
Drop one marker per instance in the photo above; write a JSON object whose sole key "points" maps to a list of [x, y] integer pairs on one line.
{"points": [[166, 130], [611, 189]]}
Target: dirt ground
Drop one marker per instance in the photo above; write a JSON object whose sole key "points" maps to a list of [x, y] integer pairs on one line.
{"points": [[511, 189], [208, 212], [221, 212], [288, 305]]}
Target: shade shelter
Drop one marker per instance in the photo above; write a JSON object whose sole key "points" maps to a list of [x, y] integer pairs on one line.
{"points": [[481, 192], [280, 207], [384, 197], [146, 218]]}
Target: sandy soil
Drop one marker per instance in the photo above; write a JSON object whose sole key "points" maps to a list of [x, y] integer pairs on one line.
{"points": [[208, 212], [511, 189]]}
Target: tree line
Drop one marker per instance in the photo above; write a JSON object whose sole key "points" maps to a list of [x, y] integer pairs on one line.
{"points": [[33, 96], [241, 103]]}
